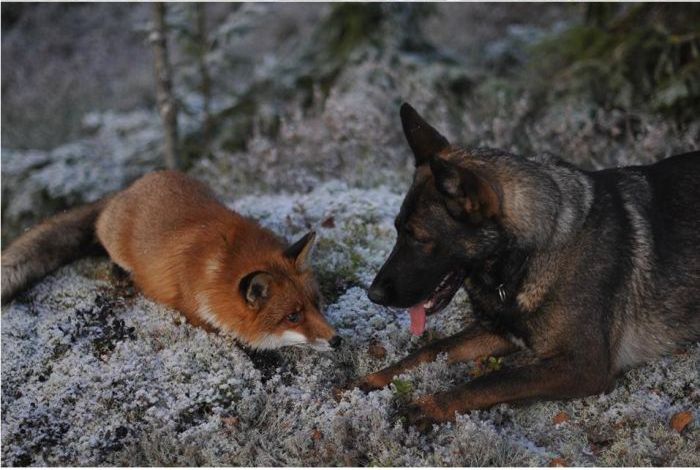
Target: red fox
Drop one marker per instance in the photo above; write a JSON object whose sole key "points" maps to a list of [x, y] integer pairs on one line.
{"points": [[185, 249]]}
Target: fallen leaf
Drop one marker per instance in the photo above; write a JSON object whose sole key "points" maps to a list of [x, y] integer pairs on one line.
{"points": [[619, 424], [561, 417], [328, 223], [337, 393], [403, 387], [485, 364], [376, 350], [681, 420], [316, 435], [558, 462]]}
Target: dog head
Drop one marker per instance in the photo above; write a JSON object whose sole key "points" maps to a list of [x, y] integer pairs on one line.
{"points": [[448, 221]]}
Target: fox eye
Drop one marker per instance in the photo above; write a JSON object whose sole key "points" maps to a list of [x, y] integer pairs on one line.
{"points": [[294, 317]]}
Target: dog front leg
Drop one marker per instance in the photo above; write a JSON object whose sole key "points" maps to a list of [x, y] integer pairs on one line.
{"points": [[466, 345], [555, 378]]}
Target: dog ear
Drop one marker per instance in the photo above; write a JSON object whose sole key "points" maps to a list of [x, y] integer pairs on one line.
{"points": [[255, 288], [423, 139], [468, 192], [299, 251]]}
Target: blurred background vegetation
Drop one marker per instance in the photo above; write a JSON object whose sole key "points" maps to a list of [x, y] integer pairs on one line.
{"points": [[276, 97], [644, 56], [64, 60]]}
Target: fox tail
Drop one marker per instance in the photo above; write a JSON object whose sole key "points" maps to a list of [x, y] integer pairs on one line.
{"points": [[48, 246]]}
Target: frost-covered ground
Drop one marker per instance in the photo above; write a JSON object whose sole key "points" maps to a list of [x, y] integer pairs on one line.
{"points": [[95, 374]]}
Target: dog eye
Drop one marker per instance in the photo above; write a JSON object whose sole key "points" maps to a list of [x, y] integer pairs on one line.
{"points": [[422, 241], [294, 317], [419, 240]]}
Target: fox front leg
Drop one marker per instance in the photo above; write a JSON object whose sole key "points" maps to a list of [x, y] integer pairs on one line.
{"points": [[464, 346], [552, 379]]}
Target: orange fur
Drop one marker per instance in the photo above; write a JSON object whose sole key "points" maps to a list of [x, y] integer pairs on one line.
{"points": [[186, 250]]}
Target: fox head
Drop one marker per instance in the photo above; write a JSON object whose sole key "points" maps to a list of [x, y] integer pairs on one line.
{"points": [[276, 301]]}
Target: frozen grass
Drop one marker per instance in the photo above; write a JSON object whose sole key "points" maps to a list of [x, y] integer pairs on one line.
{"points": [[95, 374]]}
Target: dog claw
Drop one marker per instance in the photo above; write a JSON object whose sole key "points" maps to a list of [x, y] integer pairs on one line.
{"points": [[365, 385], [413, 415]]}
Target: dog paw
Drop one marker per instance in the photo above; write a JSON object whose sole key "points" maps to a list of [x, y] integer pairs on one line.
{"points": [[413, 415], [422, 414], [370, 383], [365, 384]]}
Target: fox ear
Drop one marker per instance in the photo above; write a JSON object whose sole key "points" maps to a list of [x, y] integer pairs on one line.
{"points": [[467, 192], [299, 251], [255, 288], [423, 139]]}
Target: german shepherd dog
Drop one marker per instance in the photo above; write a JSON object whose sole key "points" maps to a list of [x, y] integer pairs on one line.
{"points": [[593, 272]]}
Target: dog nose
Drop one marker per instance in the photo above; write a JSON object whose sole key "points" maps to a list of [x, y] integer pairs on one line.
{"points": [[376, 294], [335, 341]]}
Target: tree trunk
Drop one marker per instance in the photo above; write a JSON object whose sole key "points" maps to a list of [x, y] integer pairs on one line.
{"points": [[167, 105], [205, 84]]}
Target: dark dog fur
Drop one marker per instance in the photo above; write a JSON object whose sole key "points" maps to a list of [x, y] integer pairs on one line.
{"points": [[594, 272]]}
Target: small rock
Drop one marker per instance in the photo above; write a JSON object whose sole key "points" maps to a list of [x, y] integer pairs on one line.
{"points": [[600, 436], [558, 462], [376, 350], [680, 421], [230, 421], [121, 432], [561, 417], [377, 323]]}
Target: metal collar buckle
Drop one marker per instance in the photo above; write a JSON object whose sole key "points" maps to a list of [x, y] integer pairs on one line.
{"points": [[501, 293]]}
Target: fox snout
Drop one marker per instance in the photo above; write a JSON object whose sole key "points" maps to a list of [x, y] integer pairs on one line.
{"points": [[325, 345], [298, 338], [313, 331], [320, 334]]}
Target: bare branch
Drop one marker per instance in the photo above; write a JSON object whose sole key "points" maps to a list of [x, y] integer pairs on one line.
{"points": [[205, 84], [167, 106]]}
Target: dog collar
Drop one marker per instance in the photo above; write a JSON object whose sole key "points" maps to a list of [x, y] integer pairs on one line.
{"points": [[489, 281], [501, 293]]}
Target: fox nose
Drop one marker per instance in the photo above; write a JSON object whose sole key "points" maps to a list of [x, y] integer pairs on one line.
{"points": [[377, 294], [335, 341]]}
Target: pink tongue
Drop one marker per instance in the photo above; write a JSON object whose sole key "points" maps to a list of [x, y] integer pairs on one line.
{"points": [[417, 319]]}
